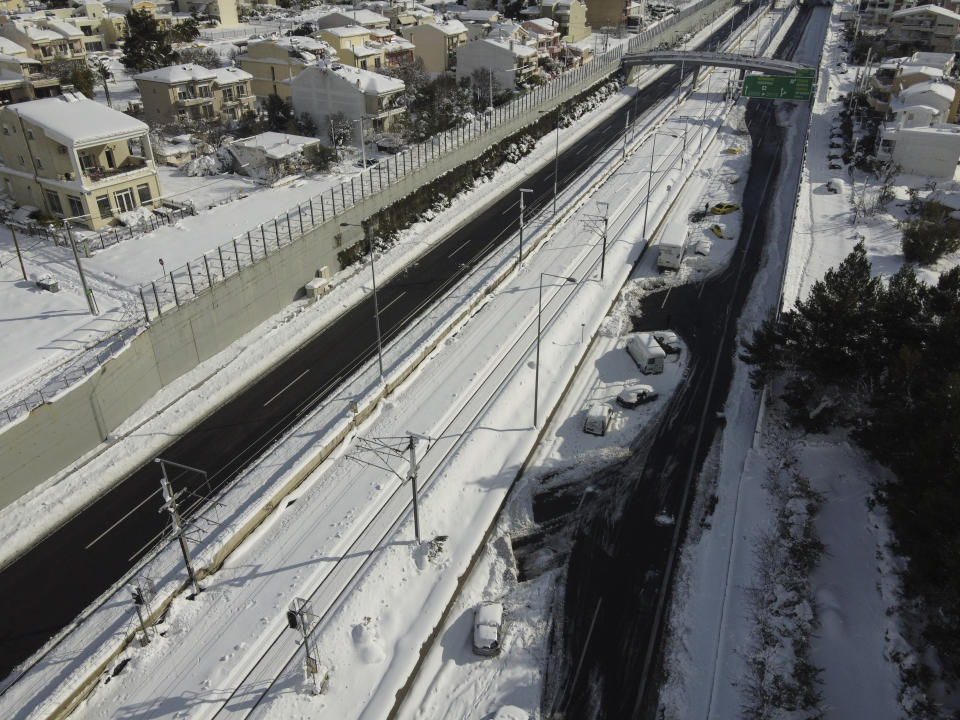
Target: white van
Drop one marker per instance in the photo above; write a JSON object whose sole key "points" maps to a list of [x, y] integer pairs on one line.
{"points": [[598, 417], [646, 353]]}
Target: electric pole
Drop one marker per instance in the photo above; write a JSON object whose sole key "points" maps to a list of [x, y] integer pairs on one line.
{"points": [[598, 225], [170, 505], [297, 620]]}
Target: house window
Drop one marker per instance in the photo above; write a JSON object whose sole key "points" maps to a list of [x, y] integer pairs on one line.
{"points": [[143, 192], [203, 91], [111, 161], [87, 162], [103, 206], [228, 94], [76, 207], [39, 164], [54, 200], [376, 62], [29, 134], [124, 200], [363, 63], [183, 93]]}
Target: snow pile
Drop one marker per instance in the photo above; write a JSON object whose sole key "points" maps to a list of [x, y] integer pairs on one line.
{"points": [[782, 681], [138, 217]]}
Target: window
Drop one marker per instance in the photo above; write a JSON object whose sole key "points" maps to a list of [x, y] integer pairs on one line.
{"points": [[87, 162], [228, 94], [124, 200], [29, 134], [143, 192], [103, 206], [39, 164], [76, 206], [376, 62], [203, 91], [183, 93], [363, 64], [53, 198], [111, 162]]}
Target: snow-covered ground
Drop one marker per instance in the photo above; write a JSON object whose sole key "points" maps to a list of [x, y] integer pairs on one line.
{"points": [[371, 639]]}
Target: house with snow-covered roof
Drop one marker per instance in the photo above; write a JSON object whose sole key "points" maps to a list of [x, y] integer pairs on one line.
{"points": [[191, 93], [22, 78], [46, 43], [275, 63], [436, 44], [327, 89], [511, 63], [571, 18], [354, 16], [73, 157], [931, 26]]}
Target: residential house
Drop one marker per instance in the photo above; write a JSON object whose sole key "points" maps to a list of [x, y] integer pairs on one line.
{"points": [[343, 18], [878, 12], [274, 63], [55, 41], [927, 150], [21, 79], [511, 63], [190, 93], [930, 26], [896, 74], [225, 11], [326, 89], [571, 18], [74, 157], [396, 50], [607, 13], [436, 44], [12, 7], [546, 34], [477, 22], [269, 155], [353, 47], [404, 14]]}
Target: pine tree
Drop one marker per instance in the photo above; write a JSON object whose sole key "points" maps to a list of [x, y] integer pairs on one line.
{"points": [[146, 46]]}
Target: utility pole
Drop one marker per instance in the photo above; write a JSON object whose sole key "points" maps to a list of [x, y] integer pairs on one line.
{"points": [[523, 191], [626, 129], [16, 244], [412, 477], [87, 292], [646, 205], [593, 223], [297, 620], [138, 602], [170, 505]]}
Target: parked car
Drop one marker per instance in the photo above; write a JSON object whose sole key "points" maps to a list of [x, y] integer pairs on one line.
{"points": [[717, 230], [834, 165], [488, 628], [724, 208], [668, 341], [633, 395], [598, 418]]}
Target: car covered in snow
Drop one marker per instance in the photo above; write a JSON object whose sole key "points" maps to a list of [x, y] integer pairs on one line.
{"points": [[724, 208], [633, 395], [488, 628], [598, 418], [716, 230], [669, 341]]}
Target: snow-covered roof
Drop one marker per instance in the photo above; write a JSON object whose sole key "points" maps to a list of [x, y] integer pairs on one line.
{"points": [[929, 58], [482, 16], [225, 76], [74, 120], [9, 47], [927, 70], [448, 27], [368, 82], [381, 33], [922, 9], [542, 26], [899, 106], [277, 145], [361, 16], [177, 74], [64, 28], [36, 33], [946, 198], [942, 90], [19, 60], [366, 51], [516, 48], [347, 31]]}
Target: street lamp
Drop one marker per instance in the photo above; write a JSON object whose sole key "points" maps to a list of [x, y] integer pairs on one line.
{"points": [[87, 292], [646, 206], [536, 380], [556, 158], [376, 306], [523, 191]]}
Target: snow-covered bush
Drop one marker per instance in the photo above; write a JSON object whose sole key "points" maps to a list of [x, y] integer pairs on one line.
{"points": [[215, 163], [782, 680]]}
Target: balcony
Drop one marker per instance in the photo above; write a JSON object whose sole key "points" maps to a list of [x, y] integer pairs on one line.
{"points": [[99, 174], [191, 100]]}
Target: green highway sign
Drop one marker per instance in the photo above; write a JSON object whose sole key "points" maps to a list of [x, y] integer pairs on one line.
{"points": [[780, 87]]}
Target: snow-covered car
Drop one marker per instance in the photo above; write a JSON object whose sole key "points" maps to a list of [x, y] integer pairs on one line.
{"points": [[669, 341], [633, 395], [724, 208], [598, 418], [835, 165], [841, 67], [836, 186], [488, 628], [717, 230]]}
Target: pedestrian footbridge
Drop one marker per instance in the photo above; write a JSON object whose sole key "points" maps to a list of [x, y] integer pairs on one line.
{"points": [[768, 66]]}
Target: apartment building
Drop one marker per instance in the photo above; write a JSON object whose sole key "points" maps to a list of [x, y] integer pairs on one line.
{"points": [[931, 26], [511, 63], [324, 90], [53, 40], [571, 18], [74, 157], [356, 16], [190, 93], [275, 63], [22, 78], [436, 44]]}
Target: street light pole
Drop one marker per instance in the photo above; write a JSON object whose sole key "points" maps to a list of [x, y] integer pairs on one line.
{"points": [[87, 292], [556, 158], [376, 304], [646, 206], [536, 380], [523, 191]]}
